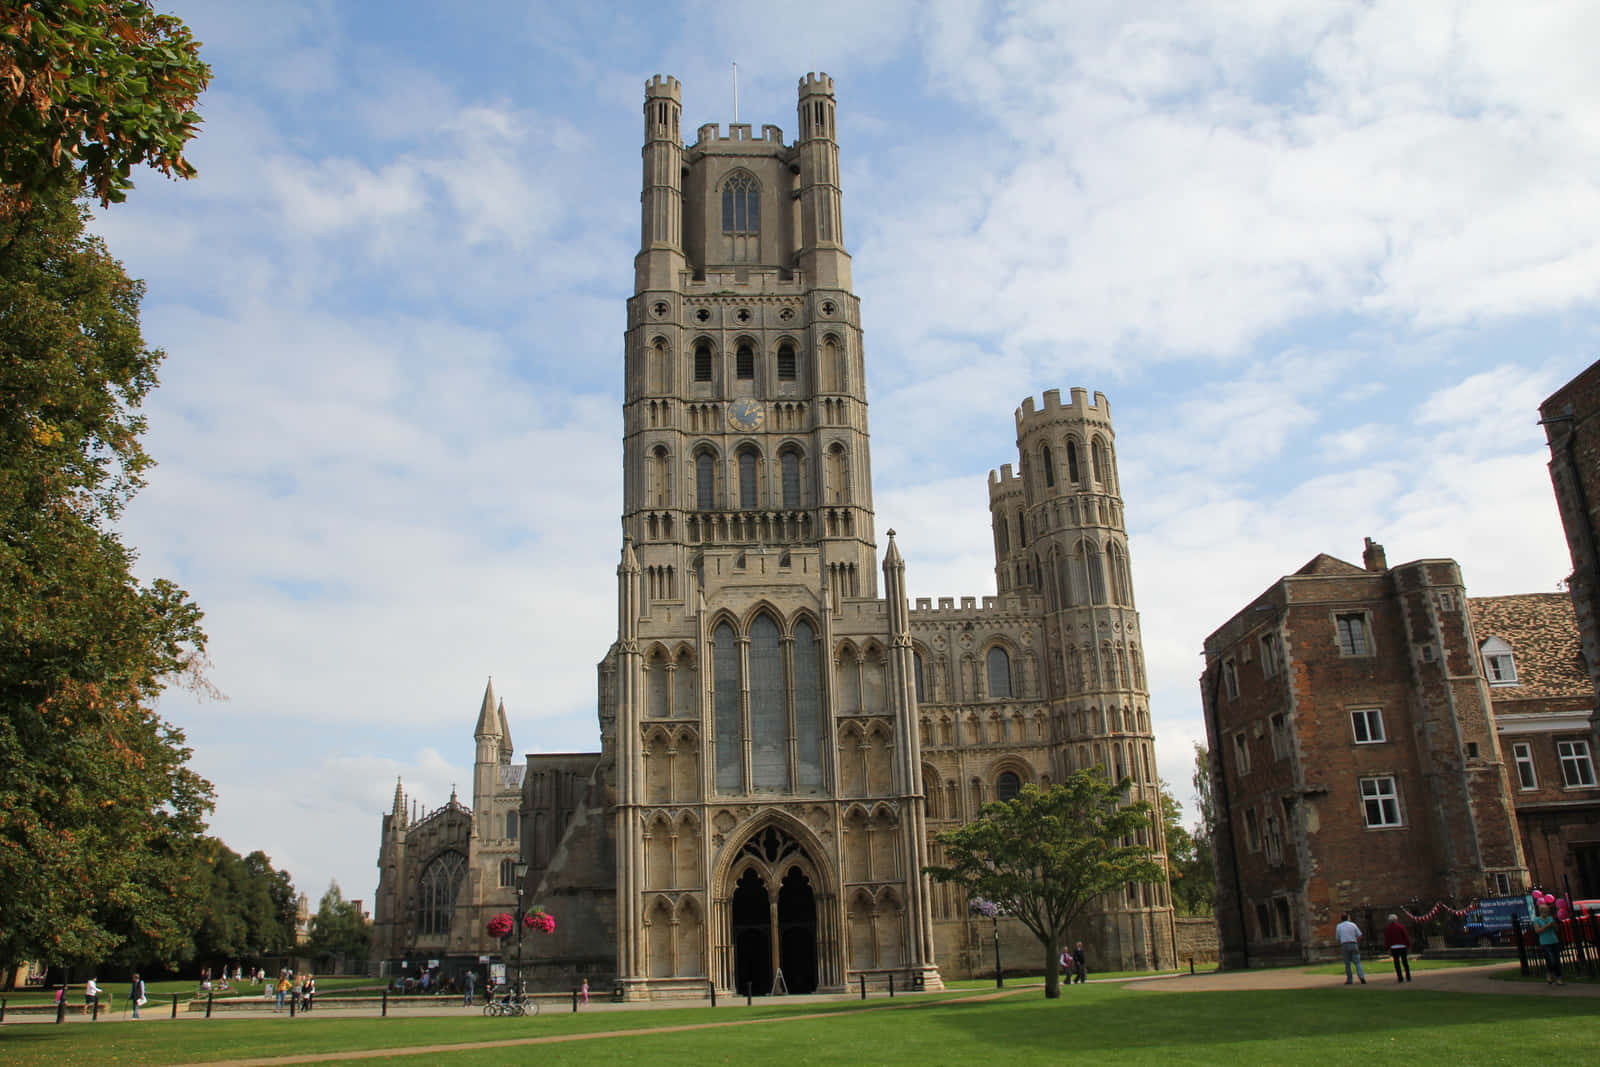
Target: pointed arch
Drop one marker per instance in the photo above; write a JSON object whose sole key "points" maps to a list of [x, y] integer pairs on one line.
{"points": [[769, 712]]}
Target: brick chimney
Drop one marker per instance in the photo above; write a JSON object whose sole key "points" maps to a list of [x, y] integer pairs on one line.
{"points": [[1372, 556]]}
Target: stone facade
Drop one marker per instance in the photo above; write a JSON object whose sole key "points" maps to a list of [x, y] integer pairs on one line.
{"points": [[781, 736]]}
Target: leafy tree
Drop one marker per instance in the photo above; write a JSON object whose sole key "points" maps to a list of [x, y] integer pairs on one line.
{"points": [[1194, 884], [243, 914], [1199, 892], [339, 928], [100, 815], [1043, 857], [91, 88]]}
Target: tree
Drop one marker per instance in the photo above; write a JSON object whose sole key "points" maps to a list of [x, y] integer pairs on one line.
{"points": [[100, 816], [243, 914], [91, 88], [1200, 873], [339, 928], [1194, 887], [1043, 857]]}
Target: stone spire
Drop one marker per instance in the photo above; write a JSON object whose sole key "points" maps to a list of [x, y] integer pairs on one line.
{"points": [[488, 721], [507, 751], [399, 807]]}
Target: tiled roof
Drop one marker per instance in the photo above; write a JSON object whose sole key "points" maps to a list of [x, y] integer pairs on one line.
{"points": [[1542, 631]]}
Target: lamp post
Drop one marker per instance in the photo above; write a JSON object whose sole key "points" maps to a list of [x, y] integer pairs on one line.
{"points": [[520, 869], [991, 911]]}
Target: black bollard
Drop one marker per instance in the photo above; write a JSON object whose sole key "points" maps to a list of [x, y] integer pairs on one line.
{"points": [[1191, 964], [748, 986], [891, 983], [61, 1010], [713, 986], [385, 1002], [174, 1005], [2, 1009], [209, 995], [94, 1017], [574, 1002], [293, 1000], [863, 987]]}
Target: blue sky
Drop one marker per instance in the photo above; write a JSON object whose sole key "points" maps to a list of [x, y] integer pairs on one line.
{"points": [[1324, 259]]}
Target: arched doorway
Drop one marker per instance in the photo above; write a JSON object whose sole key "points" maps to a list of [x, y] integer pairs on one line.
{"points": [[797, 932], [752, 935], [777, 917]]}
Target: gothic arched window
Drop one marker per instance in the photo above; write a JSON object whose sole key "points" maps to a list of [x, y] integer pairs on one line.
{"points": [[705, 482], [769, 710], [508, 873], [744, 363], [749, 498], [725, 698], [807, 706], [702, 362], [786, 366], [741, 205], [1007, 785], [1072, 461], [513, 825], [1049, 467], [916, 672], [436, 893], [790, 464], [999, 669]]}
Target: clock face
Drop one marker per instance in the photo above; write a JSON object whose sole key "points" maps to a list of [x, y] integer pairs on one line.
{"points": [[746, 414]]}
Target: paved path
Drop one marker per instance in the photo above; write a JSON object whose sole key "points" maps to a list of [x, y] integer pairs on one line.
{"points": [[1380, 976]]}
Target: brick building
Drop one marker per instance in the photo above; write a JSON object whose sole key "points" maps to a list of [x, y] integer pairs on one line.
{"points": [[1354, 760], [1544, 716], [1571, 418]]}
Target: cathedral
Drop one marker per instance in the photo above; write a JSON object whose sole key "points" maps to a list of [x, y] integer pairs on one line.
{"points": [[783, 730]]}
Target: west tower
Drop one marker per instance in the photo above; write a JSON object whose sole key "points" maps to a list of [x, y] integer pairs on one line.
{"points": [[769, 812]]}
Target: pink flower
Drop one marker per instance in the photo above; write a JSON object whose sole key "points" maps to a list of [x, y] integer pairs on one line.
{"points": [[501, 925]]}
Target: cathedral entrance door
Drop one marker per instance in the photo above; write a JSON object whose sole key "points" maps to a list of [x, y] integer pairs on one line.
{"points": [[752, 935], [797, 932]]}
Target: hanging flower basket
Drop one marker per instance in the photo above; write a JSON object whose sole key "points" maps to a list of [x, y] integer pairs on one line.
{"points": [[540, 920], [501, 925]]}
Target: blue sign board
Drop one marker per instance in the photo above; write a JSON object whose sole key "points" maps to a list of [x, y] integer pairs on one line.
{"points": [[1496, 913]]}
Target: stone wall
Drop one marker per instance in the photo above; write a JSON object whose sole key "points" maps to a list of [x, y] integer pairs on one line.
{"points": [[1197, 940]]}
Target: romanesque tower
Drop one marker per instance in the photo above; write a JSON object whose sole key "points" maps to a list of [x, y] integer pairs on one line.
{"points": [[767, 779]]}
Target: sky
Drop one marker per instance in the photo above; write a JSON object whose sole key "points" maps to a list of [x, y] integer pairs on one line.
{"points": [[1324, 259]]}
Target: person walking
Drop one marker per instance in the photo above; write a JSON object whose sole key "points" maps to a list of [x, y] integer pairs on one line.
{"points": [[308, 991], [136, 994], [282, 989], [469, 983], [1080, 964], [91, 996], [1549, 944], [1398, 938], [1349, 935], [586, 991]]}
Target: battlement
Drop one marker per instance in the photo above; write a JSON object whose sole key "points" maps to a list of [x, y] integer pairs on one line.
{"points": [[738, 133], [923, 609], [1003, 483], [815, 84], [663, 86], [1080, 407]]}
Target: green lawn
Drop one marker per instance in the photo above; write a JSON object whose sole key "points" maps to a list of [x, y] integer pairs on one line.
{"points": [[1108, 1022]]}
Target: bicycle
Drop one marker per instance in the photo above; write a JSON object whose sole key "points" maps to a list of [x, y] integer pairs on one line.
{"points": [[511, 1004]]}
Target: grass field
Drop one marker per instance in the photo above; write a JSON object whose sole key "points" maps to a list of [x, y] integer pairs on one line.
{"points": [[1096, 1023]]}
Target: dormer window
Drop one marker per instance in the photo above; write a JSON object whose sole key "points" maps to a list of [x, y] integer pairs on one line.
{"points": [[1498, 664]]}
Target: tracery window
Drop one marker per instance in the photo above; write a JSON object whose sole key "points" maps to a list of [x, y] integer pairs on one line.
{"points": [[436, 893], [741, 205]]}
